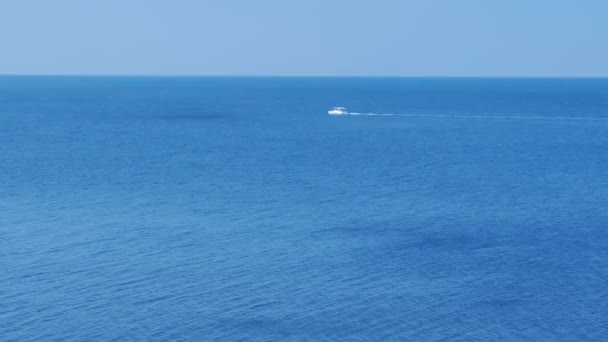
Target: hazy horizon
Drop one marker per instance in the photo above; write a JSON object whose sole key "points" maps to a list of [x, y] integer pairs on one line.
{"points": [[306, 76]]}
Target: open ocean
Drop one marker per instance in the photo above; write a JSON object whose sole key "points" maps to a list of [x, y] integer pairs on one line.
{"points": [[236, 209]]}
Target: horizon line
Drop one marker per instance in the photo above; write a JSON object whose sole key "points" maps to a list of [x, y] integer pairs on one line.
{"points": [[302, 76]]}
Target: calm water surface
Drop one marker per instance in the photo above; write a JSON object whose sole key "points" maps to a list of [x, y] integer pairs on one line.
{"points": [[235, 209]]}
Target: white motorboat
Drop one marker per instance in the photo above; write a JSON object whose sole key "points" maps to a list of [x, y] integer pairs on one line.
{"points": [[337, 111]]}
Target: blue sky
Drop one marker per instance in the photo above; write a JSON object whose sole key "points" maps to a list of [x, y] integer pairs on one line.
{"points": [[311, 37]]}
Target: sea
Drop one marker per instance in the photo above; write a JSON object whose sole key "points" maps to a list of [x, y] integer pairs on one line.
{"points": [[237, 209]]}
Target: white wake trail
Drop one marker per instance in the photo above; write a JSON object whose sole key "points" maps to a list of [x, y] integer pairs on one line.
{"points": [[466, 116]]}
